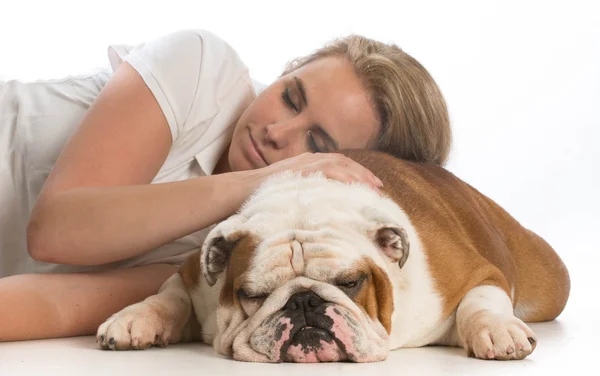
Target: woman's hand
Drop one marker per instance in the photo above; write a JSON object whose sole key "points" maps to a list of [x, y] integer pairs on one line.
{"points": [[333, 165]]}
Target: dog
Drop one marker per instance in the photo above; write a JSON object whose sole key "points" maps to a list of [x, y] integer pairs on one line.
{"points": [[316, 270]]}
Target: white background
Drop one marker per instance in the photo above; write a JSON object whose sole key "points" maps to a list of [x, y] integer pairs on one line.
{"points": [[521, 78]]}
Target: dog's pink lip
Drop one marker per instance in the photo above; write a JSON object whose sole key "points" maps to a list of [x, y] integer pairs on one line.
{"points": [[333, 341], [256, 148]]}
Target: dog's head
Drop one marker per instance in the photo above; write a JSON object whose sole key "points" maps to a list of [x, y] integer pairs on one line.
{"points": [[305, 269]]}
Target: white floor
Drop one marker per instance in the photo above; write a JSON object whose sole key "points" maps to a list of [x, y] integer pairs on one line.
{"points": [[564, 347]]}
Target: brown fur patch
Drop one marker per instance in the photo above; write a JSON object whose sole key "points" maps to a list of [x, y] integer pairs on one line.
{"points": [[190, 271], [376, 294], [469, 240], [239, 263]]}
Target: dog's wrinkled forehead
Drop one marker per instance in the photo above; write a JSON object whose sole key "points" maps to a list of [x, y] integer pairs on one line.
{"points": [[317, 254], [312, 208], [304, 226]]}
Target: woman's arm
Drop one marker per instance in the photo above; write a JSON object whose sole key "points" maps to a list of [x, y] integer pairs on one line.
{"points": [[98, 206], [37, 306], [93, 226]]}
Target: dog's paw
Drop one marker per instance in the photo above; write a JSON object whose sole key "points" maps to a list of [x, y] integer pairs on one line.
{"points": [[138, 326], [490, 335]]}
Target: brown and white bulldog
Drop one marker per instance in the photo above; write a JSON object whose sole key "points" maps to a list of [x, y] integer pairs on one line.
{"points": [[315, 270]]}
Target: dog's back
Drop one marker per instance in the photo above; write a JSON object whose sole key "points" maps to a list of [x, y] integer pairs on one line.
{"points": [[472, 240]]}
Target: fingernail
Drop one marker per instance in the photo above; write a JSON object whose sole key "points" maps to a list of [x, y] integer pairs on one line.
{"points": [[378, 181]]}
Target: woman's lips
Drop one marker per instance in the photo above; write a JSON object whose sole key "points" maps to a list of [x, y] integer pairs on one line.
{"points": [[255, 151]]}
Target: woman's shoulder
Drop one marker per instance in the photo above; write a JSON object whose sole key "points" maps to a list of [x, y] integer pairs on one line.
{"points": [[195, 45], [193, 74]]}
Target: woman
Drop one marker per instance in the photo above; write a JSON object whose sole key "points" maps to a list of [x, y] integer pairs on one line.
{"points": [[108, 182]]}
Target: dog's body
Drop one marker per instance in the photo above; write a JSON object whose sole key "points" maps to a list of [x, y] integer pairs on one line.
{"points": [[312, 269]]}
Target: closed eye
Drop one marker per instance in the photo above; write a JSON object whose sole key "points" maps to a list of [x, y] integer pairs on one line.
{"points": [[287, 99], [250, 303], [242, 294], [348, 285], [312, 143], [351, 286]]}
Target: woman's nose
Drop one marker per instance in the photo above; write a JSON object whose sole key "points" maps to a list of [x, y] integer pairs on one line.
{"points": [[281, 134]]}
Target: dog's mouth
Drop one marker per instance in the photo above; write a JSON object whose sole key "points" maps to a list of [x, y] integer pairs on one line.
{"points": [[312, 345], [325, 333]]}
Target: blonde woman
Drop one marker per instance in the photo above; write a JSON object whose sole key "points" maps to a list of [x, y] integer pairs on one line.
{"points": [[109, 181]]}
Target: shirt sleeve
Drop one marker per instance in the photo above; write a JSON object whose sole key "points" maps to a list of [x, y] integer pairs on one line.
{"points": [[189, 72]]}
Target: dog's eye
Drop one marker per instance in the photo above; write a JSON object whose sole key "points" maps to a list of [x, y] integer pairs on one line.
{"points": [[351, 284], [348, 285], [242, 294]]}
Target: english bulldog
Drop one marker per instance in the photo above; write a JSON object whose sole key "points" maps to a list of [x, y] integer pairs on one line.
{"points": [[316, 270]]}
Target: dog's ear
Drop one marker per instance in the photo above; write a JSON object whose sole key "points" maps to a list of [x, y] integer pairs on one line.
{"points": [[384, 228], [218, 245], [393, 242]]}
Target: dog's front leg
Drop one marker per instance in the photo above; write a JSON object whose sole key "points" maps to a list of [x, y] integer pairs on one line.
{"points": [[158, 320], [488, 327]]}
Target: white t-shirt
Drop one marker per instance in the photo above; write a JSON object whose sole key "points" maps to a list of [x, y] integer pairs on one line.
{"points": [[202, 87]]}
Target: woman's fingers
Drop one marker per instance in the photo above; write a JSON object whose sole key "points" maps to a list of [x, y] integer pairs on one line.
{"points": [[333, 165]]}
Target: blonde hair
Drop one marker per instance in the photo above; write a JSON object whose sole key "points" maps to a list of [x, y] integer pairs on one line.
{"points": [[412, 111]]}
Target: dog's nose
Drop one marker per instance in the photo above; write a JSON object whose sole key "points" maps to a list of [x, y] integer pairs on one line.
{"points": [[306, 300]]}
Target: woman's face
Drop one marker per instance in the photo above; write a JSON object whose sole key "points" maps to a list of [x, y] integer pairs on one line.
{"points": [[321, 107]]}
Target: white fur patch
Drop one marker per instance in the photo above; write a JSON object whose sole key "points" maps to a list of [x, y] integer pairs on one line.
{"points": [[487, 327], [205, 300]]}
